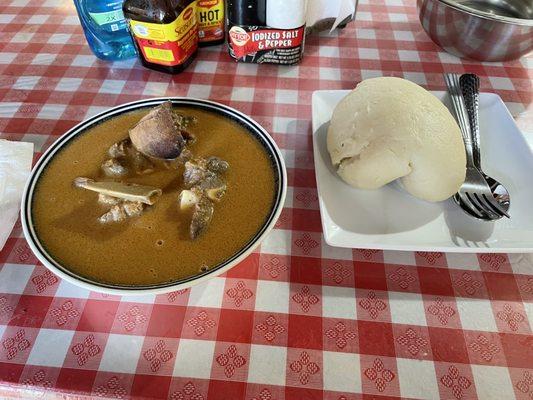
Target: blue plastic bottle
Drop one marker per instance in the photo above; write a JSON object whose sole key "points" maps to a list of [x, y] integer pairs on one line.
{"points": [[105, 29]]}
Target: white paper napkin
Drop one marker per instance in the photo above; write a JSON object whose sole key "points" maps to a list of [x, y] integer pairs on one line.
{"points": [[321, 9], [15, 166]]}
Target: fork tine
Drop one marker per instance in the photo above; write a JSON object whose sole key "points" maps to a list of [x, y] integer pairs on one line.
{"points": [[491, 201], [479, 207], [466, 201], [485, 207]]}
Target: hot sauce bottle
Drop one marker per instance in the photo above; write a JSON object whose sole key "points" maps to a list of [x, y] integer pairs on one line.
{"points": [[165, 32], [210, 17]]}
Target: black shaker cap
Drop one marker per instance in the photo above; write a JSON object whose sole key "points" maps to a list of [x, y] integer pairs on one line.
{"points": [[247, 12]]}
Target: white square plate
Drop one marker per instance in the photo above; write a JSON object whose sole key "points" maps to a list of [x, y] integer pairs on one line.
{"points": [[391, 219]]}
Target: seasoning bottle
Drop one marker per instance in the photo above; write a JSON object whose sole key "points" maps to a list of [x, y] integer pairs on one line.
{"points": [[165, 32], [266, 31], [210, 17], [247, 12], [283, 14], [244, 16]]}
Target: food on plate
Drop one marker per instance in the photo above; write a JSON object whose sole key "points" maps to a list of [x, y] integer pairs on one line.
{"points": [[161, 133], [390, 128], [109, 210], [126, 199], [124, 159], [205, 184], [125, 191]]}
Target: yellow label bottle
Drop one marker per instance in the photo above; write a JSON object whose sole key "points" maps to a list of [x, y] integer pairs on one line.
{"points": [[210, 16], [165, 33]]}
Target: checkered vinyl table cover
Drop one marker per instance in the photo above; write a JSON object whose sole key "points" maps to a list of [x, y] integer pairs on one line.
{"points": [[297, 319]]}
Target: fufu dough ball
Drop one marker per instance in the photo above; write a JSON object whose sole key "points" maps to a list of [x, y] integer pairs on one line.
{"points": [[390, 128]]}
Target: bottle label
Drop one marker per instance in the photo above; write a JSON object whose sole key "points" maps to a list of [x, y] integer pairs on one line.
{"points": [[210, 20], [260, 44], [112, 19], [168, 44]]}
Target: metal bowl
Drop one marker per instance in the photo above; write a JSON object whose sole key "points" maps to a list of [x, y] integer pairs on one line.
{"points": [[483, 30]]}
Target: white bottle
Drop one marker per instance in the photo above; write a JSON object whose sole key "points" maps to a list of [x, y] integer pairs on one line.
{"points": [[286, 14]]}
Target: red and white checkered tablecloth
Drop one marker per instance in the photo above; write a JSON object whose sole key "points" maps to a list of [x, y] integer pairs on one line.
{"points": [[298, 319]]}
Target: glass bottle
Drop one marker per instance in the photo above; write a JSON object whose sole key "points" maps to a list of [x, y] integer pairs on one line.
{"points": [[211, 22], [165, 32]]}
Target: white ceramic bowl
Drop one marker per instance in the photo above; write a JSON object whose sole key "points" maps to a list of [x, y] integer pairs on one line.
{"points": [[48, 259]]}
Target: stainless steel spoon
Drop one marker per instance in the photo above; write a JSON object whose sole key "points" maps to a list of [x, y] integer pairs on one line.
{"points": [[470, 88]]}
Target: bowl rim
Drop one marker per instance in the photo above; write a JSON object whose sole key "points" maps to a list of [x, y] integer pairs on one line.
{"points": [[528, 22], [123, 290]]}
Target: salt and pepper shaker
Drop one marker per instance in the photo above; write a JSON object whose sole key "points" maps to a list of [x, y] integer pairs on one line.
{"points": [[266, 31], [283, 14]]}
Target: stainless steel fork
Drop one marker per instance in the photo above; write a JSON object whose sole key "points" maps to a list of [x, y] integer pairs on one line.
{"points": [[475, 192]]}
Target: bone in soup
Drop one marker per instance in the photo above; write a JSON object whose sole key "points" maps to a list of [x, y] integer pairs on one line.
{"points": [[192, 225]]}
